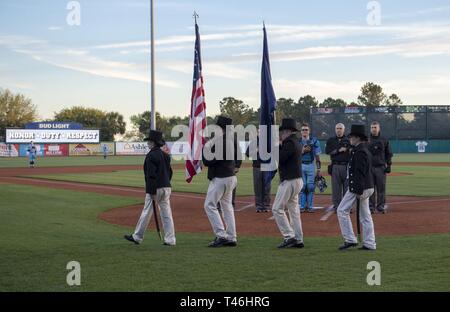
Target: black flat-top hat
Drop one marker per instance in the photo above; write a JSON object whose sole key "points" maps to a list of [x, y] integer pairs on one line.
{"points": [[359, 131], [223, 121], [288, 124], [155, 136]]}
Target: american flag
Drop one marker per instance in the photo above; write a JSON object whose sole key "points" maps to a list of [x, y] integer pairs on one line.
{"points": [[197, 119]]}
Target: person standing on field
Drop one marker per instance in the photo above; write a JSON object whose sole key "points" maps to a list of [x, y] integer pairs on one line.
{"points": [[105, 151], [338, 148], [290, 185], [223, 157], [381, 165], [158, 173], [310, 154], [260, 188], [360, 188], [32, 152]]}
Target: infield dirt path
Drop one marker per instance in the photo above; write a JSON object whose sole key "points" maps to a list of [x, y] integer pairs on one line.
{"points": [[407, 215]]}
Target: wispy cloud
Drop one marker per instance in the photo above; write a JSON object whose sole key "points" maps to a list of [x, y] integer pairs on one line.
{"points": [[80, 60], [412, 49], [182, 39], [158, 4], [211, 69], [15, 85], [294, 35], [15, 41], [54, 28], [418, 13]]}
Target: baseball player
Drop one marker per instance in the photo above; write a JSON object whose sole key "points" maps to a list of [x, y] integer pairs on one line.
{"points": [[105, 151], [158, 173], [338, 148], [290, 186], [222, 177], [32, 152], [360, 187], [381, 165], [311, 152]]}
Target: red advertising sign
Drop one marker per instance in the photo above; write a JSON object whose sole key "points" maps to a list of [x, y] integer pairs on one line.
{"points": [[56, 150]]}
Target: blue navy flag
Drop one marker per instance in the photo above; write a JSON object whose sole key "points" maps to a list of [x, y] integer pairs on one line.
{"points": [[268, 103]]}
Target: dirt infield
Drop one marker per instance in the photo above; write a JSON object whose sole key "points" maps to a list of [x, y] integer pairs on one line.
{"points": [[324, 164], [14, 172], [407, 215]]}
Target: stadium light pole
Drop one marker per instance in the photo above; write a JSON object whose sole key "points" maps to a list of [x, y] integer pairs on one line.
{"points": [[152, 68]]}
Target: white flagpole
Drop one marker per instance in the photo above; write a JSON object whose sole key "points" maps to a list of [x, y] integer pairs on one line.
{"points": [[152, 68]]}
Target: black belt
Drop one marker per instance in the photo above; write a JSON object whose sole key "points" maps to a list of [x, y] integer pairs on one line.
{"points": [[344, 163], [307, 162]]}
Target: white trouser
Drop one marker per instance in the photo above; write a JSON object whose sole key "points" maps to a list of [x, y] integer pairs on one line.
{"points": [[163, 202], [287, 197], [221, 190], [345, 222]]}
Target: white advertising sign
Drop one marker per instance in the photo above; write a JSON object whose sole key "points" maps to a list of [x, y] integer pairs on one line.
{"points": [[52, 136], [131, 148]]}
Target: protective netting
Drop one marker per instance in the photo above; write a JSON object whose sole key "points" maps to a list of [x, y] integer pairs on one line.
{"points": [[438, 126], [403, 123]]}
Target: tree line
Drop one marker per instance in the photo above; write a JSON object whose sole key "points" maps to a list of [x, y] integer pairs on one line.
{"points": [[16, 110]]}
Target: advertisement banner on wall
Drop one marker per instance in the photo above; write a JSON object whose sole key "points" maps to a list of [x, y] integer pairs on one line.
{"points": [[82, 149], [56, 150], [23, 150], [131, 148], [9, 150], [52, 136]]}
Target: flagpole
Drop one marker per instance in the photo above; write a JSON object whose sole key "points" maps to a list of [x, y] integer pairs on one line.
{"points": [[152, 68]]}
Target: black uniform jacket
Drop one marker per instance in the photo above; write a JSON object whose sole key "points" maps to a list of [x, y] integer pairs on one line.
{"points": [[359, 170], [223, 167], [290, 163], [157, 170], [333, 146], [381, 151]]}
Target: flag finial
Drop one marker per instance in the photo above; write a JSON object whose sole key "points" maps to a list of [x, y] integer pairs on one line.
{"points": [[195, 16]]}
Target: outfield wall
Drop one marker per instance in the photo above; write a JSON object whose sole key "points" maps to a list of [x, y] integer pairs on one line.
{"points": [[180, 148], [412, 146]]}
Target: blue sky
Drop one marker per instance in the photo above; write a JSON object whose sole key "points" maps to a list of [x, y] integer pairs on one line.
{"points": [[322, 48]]}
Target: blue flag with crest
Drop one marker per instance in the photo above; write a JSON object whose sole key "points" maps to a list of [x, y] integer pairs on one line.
{"points": [[268, 104]]}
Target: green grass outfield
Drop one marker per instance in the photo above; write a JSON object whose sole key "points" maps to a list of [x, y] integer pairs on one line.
{"points": [[42, 230], [138, 160], [424, 181]]}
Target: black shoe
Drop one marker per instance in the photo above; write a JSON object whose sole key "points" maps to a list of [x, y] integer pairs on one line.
{"points": [[230, 243], [299, 245], [366, 248], [167, 244], [381, 210], [131, 239], [288, 243], [310, 210], [372, 211], [302, 210], [347, 245], [259, 210], [218, 242]]}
